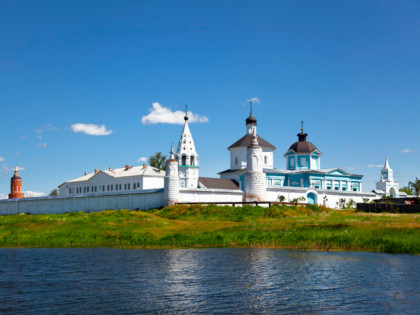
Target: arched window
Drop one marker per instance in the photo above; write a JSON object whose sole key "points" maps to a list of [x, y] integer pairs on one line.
{"points": [[184, 160], [192, 162]]}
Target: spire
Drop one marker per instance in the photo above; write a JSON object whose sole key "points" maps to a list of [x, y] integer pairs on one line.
{"points": [[254, 142], [186, 113], [302, 136], [386, 166], [172, 157], [251, 120]]}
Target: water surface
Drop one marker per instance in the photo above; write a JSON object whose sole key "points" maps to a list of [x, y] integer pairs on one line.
{"points": [[87, 281]]}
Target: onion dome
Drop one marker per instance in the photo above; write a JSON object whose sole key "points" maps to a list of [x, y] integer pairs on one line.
{"points": [[251, 120], [303, 146], [16, 175]]}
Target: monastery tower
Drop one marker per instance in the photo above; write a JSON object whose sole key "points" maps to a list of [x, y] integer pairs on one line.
{"points": [[386, 183], [254, 177], [171, 188], [16, 186], [187, 158]]}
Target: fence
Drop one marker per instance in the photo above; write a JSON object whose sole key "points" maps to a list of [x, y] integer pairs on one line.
{"points": [[256, 203], [388, 207]]}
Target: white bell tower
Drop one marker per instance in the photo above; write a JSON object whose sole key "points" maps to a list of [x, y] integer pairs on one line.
{"points": [[386, 183], [187, 157]]}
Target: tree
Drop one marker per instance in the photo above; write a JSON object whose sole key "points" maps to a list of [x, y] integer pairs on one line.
{"points": [[407, 190], [158, 160], [281, 198], [54, 192], [415, 186]]}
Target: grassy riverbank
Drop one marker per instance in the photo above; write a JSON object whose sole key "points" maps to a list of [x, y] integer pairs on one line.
{"points": [[214, 226]]}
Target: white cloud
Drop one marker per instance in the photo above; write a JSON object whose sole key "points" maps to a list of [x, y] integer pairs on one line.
{"points": [[7, 169], [3, 196], [353, 167], [375, 165], [2, 159], [30, 193], [143, 159], [253, 100], [406, 150], [41, 145], [91, 129], [163, 115]]}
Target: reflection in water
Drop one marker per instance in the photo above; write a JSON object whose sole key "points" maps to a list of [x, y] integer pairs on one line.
{"points": [[80, 281]]}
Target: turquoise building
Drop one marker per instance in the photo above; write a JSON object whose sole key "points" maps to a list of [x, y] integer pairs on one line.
{"points": [[303, 167]]}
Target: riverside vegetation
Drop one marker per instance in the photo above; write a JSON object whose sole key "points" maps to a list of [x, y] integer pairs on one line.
{"points": [[180, 226]]}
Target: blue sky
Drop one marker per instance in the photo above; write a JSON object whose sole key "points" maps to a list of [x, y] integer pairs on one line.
{"points": [[349, 69]]}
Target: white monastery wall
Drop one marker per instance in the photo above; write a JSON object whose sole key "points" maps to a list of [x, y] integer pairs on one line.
{"points": [[143, 200], [333, 200], [210, 195]]}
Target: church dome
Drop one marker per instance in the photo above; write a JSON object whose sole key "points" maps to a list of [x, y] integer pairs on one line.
{"points": [[251, 120], [303, 146]]}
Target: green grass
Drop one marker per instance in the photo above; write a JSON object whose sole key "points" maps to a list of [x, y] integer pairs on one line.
{"points": [[180, 226]]}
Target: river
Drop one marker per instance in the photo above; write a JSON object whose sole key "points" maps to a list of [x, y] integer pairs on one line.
{"points": [[226, 280]]}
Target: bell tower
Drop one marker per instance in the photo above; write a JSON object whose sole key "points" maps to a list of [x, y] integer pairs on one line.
{"points": [[16, 186], [187, 157]]}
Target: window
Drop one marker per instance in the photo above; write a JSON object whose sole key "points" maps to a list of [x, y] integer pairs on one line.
{"points": [[236, 160], [354, 189], [128, 185], [265, 159], [184, 160], [192, 162]]}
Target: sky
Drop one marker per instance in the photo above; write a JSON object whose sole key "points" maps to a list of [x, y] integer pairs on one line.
{"points": [[89, 85]]}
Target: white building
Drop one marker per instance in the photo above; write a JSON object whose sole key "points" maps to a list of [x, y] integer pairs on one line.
{"points": [[126, 179], [386, 185]]}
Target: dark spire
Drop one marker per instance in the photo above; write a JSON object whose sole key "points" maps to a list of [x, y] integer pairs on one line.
{"points": [[251, 119], [186, 113], [302, 136]]}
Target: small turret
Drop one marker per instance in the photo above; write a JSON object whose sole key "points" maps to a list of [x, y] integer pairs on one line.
{"points": [[254, 177], [16, 186], [171, 188]]}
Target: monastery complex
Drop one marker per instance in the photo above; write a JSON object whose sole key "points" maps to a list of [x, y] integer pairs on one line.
{"points": [[251, 176]]}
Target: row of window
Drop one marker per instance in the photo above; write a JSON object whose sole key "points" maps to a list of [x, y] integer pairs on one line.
{"points": [[103, 188]]}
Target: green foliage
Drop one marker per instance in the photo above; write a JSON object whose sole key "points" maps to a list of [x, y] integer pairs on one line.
{"points": [[282, 198], [365, 200], [298, 227], [158, 160], [415, 186], [407, 190], [298, 200], [53, 192]]}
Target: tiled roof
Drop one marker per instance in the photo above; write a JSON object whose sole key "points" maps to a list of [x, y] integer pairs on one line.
{"points": [[218, 183], [246, 140]]}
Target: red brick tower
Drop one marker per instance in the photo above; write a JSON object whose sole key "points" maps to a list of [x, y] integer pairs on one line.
{"points": [[16, 186]]}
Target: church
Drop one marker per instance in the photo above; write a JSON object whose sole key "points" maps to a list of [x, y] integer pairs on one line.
{"points": [[251, 177]]}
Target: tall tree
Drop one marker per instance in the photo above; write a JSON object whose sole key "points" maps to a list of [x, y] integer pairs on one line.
{"points": [[158, 160], [54, 192], [407, 190], [415, 186]]}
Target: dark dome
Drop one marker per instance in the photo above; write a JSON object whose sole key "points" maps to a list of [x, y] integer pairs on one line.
{"points": [[302, 146], [251, 120]]}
